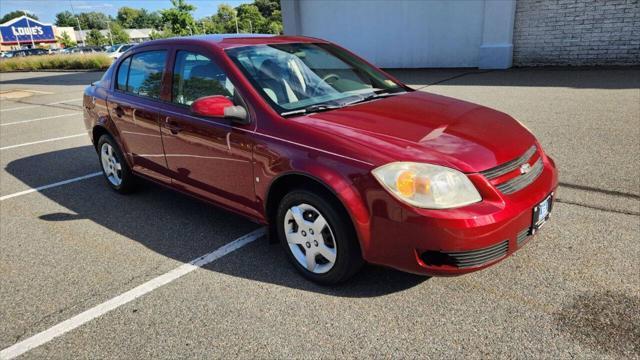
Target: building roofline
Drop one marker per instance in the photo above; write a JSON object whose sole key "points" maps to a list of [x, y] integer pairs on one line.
{"points": [[14, 20]]}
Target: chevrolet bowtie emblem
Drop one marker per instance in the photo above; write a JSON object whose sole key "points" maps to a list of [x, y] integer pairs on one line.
{"points": [[525, 168]]}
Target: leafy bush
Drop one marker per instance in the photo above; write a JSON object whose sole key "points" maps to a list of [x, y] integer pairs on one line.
{"points": [[53, 62]]}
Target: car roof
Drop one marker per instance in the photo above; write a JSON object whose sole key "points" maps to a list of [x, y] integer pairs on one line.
{"points": [[226, 41]]}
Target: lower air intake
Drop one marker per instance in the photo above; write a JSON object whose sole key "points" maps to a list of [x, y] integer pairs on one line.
{"points": [[465, 259], [522, 237]]}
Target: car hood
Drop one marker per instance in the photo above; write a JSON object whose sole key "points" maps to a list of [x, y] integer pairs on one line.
{"points": [[424, 127]]}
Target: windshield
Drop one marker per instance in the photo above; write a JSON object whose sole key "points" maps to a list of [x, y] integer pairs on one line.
{"points": [[299, 77], [115, 48]]}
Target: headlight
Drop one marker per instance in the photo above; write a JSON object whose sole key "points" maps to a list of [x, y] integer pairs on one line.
{"points": [[427, 186]]}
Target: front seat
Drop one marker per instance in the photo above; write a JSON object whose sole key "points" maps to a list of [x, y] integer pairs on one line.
{"points": [[273, 83]]}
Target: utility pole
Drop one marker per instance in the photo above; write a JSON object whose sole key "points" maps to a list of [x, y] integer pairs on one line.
{"points": [[237, 31], [110, 36], [78, 20], [250, 27], [33, 44]]}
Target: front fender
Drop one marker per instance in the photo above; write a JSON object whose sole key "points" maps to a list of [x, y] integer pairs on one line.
{"points": [[336, 176]]}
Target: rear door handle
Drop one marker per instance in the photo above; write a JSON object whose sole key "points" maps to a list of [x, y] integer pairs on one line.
{"points": [[119, 111]]}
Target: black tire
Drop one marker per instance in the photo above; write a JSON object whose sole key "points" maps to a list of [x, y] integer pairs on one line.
{"points": [[348, 255], [128, 179]]}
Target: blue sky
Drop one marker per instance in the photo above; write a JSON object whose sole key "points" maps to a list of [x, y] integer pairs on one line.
{"points": [[46, 10]]}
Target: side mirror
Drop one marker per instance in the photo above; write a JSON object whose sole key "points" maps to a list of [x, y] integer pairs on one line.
{"points": [[221, 107]]}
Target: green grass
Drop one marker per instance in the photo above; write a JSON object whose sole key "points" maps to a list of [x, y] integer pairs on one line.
{"points": [[59, 62]]}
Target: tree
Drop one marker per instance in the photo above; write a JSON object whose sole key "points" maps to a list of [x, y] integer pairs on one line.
{"points": [[127, 17], [88, 21], [179, 19], [274, 23], [96, 38], [131, 18], [119, 35], [262, 16], [66, 19], [14, 14], [225, 18], [65, 40], [250, 19], [209, 26], [267, 7], [94, 20]]}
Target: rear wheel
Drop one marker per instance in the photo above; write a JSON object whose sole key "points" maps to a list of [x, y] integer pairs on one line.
{"points": [[318, 237], [114, 167]]}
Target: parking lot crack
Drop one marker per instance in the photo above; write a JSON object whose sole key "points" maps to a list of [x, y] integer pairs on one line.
{"points": [[624, 212], [601, 191], [454, 77]]}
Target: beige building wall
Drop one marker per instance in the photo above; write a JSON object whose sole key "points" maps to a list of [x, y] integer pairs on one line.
{"points": [[69, 30]]}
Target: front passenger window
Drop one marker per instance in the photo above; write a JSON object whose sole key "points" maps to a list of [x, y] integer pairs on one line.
{"points": [[195, 76]]}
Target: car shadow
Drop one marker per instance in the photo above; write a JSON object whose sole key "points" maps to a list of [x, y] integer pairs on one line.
{"points": [[67, 78], [182, 228]]}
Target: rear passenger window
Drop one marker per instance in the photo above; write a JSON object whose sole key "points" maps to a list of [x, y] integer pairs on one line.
{"points": [[123, 71], [195, 76], [145, 73]]}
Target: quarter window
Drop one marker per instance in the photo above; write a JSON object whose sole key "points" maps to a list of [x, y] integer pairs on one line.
{"points": [[195, 76], [145, 73], [123, 71]]}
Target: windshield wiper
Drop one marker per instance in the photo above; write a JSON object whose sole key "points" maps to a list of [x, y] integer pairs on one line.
{"points": [[312, 109], [373, 97], [325, 107]]}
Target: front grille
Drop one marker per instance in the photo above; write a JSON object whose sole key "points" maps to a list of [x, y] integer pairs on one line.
{"points": [[520, 182], [523, 236], [464, 259], [509, 166]]}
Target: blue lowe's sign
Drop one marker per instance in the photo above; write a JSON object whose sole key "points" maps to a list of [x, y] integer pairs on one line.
{"points": [[23, 28]]}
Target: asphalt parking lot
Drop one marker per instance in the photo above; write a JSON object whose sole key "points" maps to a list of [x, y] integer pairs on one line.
{"points": [[73, 255]]}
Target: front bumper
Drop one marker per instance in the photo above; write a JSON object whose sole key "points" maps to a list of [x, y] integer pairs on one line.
{"points": [[457, 241]]}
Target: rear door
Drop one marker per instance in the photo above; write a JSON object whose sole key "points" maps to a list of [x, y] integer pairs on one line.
{"points": [[211, 157], [133, 107]]}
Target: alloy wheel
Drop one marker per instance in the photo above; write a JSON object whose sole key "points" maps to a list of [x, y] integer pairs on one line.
{"points": [[310, 238], [111, 164]]}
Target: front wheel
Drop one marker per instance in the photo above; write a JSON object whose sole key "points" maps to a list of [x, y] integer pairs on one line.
{"points": [[318, 237]]}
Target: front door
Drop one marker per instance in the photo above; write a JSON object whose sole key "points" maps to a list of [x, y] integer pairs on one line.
{"points": [[211, 157]]}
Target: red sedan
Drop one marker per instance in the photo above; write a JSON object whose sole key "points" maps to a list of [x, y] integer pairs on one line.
{"points": [[345, 163]]}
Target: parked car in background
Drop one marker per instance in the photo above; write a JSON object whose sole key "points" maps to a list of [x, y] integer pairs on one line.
{"points": [[115, 51], [25, 52], [345, 163], [85, 49]]}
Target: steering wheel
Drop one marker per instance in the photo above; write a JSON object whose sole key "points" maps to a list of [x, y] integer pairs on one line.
{"points": [[327, 78]]}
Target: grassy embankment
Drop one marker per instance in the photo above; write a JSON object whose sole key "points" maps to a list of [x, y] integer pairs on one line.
{"points": [[56, 62]]}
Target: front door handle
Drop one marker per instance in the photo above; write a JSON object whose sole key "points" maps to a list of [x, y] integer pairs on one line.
{"points": [[172, 126]]}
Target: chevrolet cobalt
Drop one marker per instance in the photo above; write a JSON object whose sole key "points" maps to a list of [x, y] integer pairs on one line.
{"points": [[342, 161]]}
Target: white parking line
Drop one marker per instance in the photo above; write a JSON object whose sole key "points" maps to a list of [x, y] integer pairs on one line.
{"points": [[38, 105], [44, 187], [43, 141], [101, 309], [39, 119]]}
